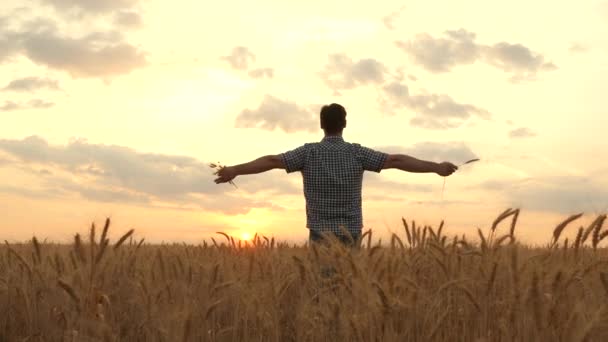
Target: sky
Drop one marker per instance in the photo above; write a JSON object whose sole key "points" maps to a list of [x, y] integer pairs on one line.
{"points": [[115, 108]]}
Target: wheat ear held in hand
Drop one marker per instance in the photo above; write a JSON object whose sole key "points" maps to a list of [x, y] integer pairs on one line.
{"points": [[465, 163], [470, 161], [217, 167]]}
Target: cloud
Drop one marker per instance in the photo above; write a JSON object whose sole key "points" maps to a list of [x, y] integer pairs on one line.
{"points": [[389, 20], [560, 194], [516, 58], [8, 42], [10, 106], [522, 132], [455, 152], [29, 84], [433, 111], [576, 47], [7, 48], [63, 186], [441, 54], [96, 54], [90, 6], [274, 113], [39, 104], [440, 111], [240, 57], [262, 73], [342, 72], [458, 47], [43, 193], [111, 173], [128, 19]]}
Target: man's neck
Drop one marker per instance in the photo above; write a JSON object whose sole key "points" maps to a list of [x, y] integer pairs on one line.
{"points": [[333, 138]]}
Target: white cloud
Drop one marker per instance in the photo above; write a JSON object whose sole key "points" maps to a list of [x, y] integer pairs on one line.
{"points": [[458, 47], [274, 113], [111, 173], [91, 54], [91, 6], [128, 19], [240, 57], [441, 54], [390, 19], [94, 55], [576, 47], [560, 194], [342, 72], [8, 41], [262, 73], [10, 106], [521, 132], [517, 59], [29, 84], [432, 111]]}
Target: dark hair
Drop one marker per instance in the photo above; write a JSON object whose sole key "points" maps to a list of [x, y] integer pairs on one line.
{"points": [[333, 118]]}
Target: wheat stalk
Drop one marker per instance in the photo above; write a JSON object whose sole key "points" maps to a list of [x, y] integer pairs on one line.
{"points": [[560, 227], [123, 239]]}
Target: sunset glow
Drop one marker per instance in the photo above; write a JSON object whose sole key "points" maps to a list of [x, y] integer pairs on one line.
{"points": [[246, 236]]}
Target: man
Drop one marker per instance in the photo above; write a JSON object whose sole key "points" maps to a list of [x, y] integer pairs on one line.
{"points": [[332, 172]]}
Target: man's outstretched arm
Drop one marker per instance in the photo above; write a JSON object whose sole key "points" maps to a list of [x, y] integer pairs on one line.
{"points": [[411, 164], [259, 165]]}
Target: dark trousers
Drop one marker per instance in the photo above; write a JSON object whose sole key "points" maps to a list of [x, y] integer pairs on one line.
{"points": [[316, 237], [352, 242]]}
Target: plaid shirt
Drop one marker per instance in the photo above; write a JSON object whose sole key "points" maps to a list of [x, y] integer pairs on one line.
{"points": [[332, 172]]}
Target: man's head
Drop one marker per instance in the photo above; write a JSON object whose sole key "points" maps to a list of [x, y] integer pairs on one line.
{"points": [[333, 119]]}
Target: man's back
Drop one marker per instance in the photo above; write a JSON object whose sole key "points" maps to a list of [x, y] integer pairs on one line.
{"points": [[332, 172]]}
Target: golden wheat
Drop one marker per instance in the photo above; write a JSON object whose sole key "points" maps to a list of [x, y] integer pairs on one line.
{"points": [[427, 287]]}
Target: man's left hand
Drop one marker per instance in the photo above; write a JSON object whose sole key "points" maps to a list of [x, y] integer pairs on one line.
{"points": [[446, 168]]}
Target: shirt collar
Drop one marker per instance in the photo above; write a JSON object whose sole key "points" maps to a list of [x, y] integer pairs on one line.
{"points": [[333, 138]]}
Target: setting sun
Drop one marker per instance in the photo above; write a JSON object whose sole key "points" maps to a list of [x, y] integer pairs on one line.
{"points": [[246, 236]]}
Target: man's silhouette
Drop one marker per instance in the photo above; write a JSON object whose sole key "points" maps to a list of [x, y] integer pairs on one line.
{"points": [[332, 172]]}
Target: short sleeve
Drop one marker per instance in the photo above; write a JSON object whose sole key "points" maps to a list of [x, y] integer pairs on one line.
{"points": [[371, 160], [295, 160]]}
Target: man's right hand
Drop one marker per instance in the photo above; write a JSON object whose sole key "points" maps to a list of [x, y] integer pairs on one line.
{"points": [[226, 174], [445, 169]]}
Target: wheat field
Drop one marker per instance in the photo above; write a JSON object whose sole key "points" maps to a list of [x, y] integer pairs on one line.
{"points": [[420, 286]]}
